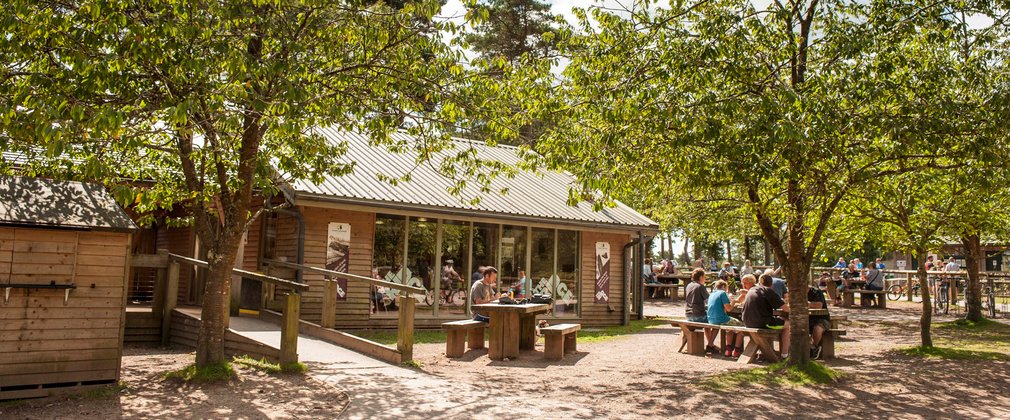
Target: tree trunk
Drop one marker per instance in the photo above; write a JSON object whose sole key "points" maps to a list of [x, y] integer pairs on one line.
{"points": [[926, 319], [669, 239], [799, 314], [662, 247], [221, 259], [687, 257], [908, 284], [729, 252], [973, 290], [767, 256], [746, 247]]}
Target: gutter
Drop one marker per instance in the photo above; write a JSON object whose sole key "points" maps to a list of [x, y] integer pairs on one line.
{"points": [[624, 274], [464, 212]]}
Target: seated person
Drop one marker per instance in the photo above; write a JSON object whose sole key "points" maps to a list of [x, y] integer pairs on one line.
{"points": [[648, 275], [718, 308], [874, 281], [819, 324], [747, 282], [696, 297], [728, 272], [483, 292], [759, 309]]}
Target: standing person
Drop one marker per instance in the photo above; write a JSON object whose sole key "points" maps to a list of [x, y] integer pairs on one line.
{"points": [[747, 268], [713, 265], [759, 309], [696, 299], [951, 267], [483, 292], [874, 281]]}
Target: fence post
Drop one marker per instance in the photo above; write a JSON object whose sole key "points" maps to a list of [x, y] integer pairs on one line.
{"points": [[329, 318], [289, 329], [171, 296], [908, 286], [405, 328]]}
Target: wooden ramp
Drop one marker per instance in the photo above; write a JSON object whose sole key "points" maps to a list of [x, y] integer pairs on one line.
{"points": [[261, 336]]}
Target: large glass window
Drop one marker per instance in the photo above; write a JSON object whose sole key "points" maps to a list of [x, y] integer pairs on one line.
{"points": [[512, 273], [542, 261], [485, 248], [421, 263], [455, 284], [387, 260], [568, 273]]}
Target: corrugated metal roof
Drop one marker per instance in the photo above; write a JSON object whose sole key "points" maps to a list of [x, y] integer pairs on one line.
{"points": [[47, 203], [542, 195]]}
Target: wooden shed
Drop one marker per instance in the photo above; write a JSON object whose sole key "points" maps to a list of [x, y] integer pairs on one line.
{"points": [[64, 257]]}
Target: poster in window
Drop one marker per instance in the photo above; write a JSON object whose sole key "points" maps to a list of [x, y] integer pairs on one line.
{"points": [[602, 273], [338, 258]]}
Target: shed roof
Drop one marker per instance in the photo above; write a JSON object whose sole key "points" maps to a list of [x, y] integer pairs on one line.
{"points": [[540, 196], [42, 202]]}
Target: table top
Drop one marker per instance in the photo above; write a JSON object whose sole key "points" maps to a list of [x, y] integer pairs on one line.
{"points": [[813, 312], [526, 308]]}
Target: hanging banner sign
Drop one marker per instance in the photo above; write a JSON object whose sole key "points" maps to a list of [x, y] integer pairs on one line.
{"points": [[338, 258], [602, 294]]}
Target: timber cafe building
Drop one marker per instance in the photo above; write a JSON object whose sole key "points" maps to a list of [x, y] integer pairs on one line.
{"points": [[418, 234]]}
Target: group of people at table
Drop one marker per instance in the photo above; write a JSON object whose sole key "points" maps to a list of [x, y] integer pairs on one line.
{"points": [[753, 306]]}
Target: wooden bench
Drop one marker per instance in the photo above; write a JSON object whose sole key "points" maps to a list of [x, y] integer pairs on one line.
{"points": [[848, 297], [692, 335], [761, 339], [560, 339], [463, 332], [836, 319], [660, 286], [828, 343]]}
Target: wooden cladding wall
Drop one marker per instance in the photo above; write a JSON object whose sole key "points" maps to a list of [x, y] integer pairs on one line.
{"points": [[181, 241], [600, 314], [355, 310], [44, 340]]}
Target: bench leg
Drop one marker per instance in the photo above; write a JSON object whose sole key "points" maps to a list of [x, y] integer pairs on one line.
{"points": [[527, 332], [554, 347], [848, 299], [749, 353], [695, 340], [454, 342], [827, 346], [570, 342], [882, 301], [475, 338]]}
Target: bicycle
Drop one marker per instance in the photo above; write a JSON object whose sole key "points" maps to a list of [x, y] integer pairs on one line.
{"points": [[897, 291], [941, 302]]}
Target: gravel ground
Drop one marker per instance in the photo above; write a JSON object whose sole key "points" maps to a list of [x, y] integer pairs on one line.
{"points": [[634, 376], [253, 395], [642, 375]]}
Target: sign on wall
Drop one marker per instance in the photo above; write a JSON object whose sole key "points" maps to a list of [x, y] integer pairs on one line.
{"points": [[602, 294], [338, 249]]}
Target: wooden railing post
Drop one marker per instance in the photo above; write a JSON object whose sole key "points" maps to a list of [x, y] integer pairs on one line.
{"points": [[908, 286], [171, 297], [329, 318], [405, 328], [289, 329]]}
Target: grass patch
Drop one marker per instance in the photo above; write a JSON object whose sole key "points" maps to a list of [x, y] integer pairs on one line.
{"points": [[270, 367], [103, 392], [952, 354], [983, 336], [389, 337], [811, 373], [412, 363], [608, 333], [220, 372]]}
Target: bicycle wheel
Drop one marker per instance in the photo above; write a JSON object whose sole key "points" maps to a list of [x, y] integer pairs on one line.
{"points": [[895, 292], [943, 301]]}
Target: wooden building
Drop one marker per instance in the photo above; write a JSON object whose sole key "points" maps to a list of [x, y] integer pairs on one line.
{"points": [[418, 233], [64, 253]]}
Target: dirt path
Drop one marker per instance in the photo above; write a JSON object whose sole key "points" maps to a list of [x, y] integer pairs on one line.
{"points": [[642, 375]]}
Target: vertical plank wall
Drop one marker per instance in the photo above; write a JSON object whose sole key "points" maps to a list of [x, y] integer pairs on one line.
{"points": [[44, 340], [353, 312], [594, 314]]}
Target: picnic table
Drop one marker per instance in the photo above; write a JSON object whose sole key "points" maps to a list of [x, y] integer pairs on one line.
{"points": [[512, 327]]}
